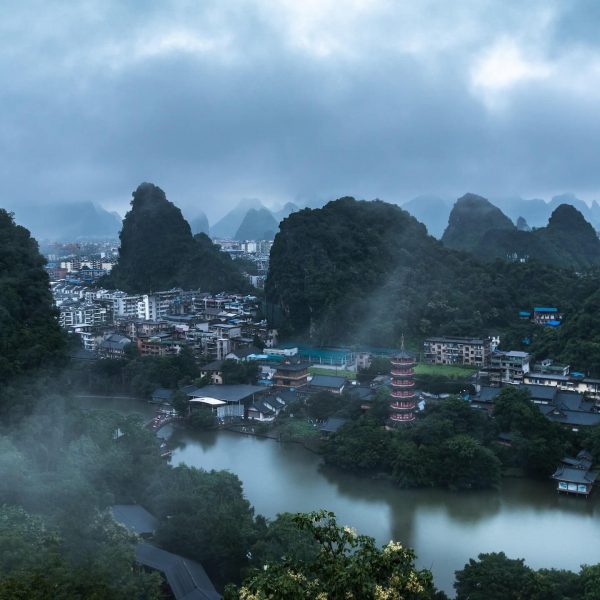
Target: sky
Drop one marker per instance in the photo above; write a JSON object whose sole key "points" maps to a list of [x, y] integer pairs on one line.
{"points": [[301, 100]]}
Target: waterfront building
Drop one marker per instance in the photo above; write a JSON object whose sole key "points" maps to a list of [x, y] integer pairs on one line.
{"points": [[575, 475], [402, 395]]}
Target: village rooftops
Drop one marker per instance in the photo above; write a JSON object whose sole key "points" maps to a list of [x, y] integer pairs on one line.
{"points": [[186, 578], [540, 393], [573, 418], [215, 365], [135, 517], [328, 382], [225, 393], [333, 424], [454, 339], [513, 353]]}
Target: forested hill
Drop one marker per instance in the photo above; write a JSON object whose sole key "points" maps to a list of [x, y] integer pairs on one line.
{"points": [[567, 241], [364, 272], [158, 251], [29, 333], [470, 219]]}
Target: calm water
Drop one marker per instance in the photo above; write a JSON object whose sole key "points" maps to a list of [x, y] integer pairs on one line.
{"points": [[525, 519]]}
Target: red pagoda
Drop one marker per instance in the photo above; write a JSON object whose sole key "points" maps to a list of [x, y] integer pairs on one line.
{"points": [[403, 399]]}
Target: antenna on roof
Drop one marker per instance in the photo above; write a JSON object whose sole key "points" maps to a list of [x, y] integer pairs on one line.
{"points": [[402, 342]]}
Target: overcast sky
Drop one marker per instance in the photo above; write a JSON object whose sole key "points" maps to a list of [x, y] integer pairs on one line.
{"points": [[298, 99]]}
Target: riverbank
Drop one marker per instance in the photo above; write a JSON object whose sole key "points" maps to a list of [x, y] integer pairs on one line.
{"points": [[446, 528]]}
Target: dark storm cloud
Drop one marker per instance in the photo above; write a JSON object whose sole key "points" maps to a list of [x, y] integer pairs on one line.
{"points": [[218, 101]]}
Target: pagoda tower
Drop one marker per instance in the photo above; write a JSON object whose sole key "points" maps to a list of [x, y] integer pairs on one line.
{"points": [[402, 395]]}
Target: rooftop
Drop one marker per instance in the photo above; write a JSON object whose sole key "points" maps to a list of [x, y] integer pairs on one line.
{"points": [[328, 381], [186, 578], [226, 393], [135, 517]]}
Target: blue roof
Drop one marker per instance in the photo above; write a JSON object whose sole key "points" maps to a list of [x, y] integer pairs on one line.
{"points": [[545, 309], [524, 313], [553, 323]]}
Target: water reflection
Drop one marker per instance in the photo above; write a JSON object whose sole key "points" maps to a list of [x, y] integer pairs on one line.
{"points": [[524, 518]]}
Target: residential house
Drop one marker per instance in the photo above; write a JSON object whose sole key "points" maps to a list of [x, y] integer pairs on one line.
{"points": [[547, 315], [112, 345], [291, 374], [265, 408], [226, 401], [214, 370], [457, 351], [327, 383], [508, 367]]}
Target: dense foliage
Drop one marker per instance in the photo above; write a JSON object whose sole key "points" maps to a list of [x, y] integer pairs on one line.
{"points": [[29, 333], [494, 576], [365, 272], [158, 251], [347, 566], [454, 446], [135, 375], [448, 447]]}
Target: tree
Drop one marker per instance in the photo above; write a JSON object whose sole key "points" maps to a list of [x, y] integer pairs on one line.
{"points": [[204, 516], [347, 566], [495, 577], [324, 404], [538, 443], [239, 372], [30, 337], [282, 538], [465, 464]]}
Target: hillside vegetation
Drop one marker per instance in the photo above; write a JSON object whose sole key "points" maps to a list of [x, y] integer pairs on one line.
{"points": [[158, 251], [29, 333], [366, 272]]}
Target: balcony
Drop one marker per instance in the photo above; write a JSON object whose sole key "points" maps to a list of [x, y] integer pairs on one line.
{"points": [[407, 372], [400, 362], [403, 405], [403, 383], [402, 417], [403, 394]]}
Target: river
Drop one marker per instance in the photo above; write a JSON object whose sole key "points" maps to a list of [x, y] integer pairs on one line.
{"points": [[525, 519]]}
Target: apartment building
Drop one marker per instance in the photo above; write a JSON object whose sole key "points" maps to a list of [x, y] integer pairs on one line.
{"points": [[457, 351]]}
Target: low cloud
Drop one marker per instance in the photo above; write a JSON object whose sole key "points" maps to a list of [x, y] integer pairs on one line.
{"points": [[215, 102]]}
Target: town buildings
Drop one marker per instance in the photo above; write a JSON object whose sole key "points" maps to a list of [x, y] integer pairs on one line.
{"points": [[508, 367], [457, 351]]}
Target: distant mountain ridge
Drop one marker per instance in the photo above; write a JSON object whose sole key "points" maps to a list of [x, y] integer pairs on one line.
{"points": [[250, 219], [68, 221], [537, 211], [258, 224], [476, 225]]}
